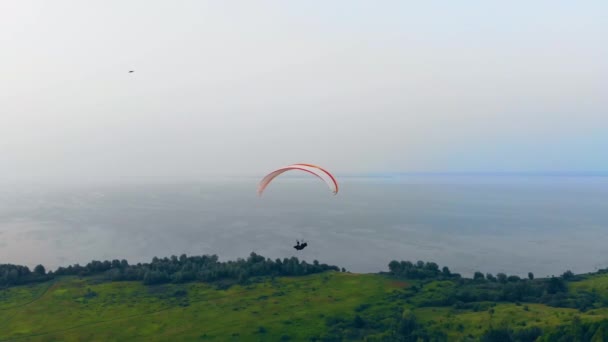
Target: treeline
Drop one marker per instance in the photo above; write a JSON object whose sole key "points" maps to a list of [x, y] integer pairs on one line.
{"points": [[206, 268], [11, 275], [420, 270], [493, 288], [182, 269]]}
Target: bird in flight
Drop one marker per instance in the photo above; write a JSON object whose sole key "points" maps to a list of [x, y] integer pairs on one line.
{"points": [[130, 71]]}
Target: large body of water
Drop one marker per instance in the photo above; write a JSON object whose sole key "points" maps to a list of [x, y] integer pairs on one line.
{"points": [[492, 224]]}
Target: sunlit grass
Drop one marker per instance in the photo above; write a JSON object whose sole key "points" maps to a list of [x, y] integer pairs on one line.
{"points": [[77, 309], [272, 309]]}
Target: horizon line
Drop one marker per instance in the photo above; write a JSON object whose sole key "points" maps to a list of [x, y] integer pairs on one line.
{"points": [[480, 173]]}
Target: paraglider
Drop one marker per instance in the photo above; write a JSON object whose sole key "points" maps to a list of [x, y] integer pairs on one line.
{"points": [[300, 246], [315, 170]]}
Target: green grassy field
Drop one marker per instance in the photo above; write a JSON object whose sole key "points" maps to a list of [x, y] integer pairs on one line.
{"points": [[72, 309], [597, 283], [461, 324], [284, 308]]}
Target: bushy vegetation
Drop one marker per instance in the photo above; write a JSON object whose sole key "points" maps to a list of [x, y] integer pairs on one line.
{"points": [[283, 308], [499, 288], [509, 335], [420, 270], [578, 331], [412, 302], [11, 275], [575, 331], [206, 268]]}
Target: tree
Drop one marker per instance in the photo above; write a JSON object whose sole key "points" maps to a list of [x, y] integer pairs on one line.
{"points": [[513, 278], [393, 266], [408, 325], [39, 270], [183, 258], [502, 278], [568, 275], [431, 266], [556, 285], [530, 275], [478, 276], [206, 268]]}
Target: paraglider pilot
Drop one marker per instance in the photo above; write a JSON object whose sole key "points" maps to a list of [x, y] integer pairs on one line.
{"points": [[300, 246]]}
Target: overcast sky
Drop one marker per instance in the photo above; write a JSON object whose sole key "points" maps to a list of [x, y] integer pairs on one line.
{"points": [[244, 86]]}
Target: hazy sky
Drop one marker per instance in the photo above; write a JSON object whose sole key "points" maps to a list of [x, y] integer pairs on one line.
{"points": [[245, 86]]}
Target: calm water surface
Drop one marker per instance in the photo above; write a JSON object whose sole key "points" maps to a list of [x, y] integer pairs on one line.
{"points": [[491, 224]]}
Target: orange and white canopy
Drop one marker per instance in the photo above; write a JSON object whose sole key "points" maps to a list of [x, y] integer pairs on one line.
{"points": [[315, 170]]}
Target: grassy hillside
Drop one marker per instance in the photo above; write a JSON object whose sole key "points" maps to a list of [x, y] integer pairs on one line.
{"points": [[296, 308], [329, 306]]}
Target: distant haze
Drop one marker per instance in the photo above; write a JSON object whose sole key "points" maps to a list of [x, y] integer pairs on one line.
{"points": [[240, 87]]}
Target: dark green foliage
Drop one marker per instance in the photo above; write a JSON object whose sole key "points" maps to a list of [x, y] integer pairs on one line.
{"points": [[408, 330], [527, 335], [420, 270], [204, 268], [408, 326], [180, 293], [334, 320], [508, 335], [513, 278], [39, 270], [207, 268], [358, 322], [502, 278], [395, 313], [556, 285], [362, 307], [502, 288], [90, 294], [568, 275], [579, 331], [497, 335], [11, 275]]}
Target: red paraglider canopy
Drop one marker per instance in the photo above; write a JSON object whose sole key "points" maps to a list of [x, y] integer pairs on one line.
{"points": [[315, 170]]}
